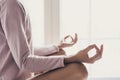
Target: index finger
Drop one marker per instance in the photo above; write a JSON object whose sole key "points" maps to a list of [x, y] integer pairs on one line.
{"points": [[67, 37], [98, 55], [101, 50], [76, 38], [90, 47]]}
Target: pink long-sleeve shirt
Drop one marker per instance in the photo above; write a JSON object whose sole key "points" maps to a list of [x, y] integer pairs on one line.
{"points": [[17, 56]]}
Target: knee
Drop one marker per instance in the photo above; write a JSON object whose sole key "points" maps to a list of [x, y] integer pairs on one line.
{"points": [[79, 70]]}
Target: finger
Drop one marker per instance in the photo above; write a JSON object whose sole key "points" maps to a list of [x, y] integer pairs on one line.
{"points": [[66, 37], [101, 50], [76, 38], [69, 36], [97, 49], [90, 61], [90, 47], [93, 59], [97, 56], [73, 40]]}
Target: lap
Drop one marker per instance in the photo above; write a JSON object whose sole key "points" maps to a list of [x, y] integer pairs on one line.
{"points": [[72, 69]]}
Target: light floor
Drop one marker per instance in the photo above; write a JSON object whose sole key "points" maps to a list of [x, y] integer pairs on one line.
{"points": [[104, 79]]}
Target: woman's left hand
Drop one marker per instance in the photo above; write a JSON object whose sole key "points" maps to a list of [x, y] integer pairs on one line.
{"points": [[64, 42]]}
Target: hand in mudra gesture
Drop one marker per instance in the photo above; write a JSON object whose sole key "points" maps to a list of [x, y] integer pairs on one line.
{"points": [[64, 43], [83, 56]]}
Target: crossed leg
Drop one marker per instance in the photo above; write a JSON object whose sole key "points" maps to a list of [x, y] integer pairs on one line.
{"points": [[72, 71]]}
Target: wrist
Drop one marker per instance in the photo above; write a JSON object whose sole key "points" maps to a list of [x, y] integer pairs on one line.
{"points": [[69, 59], [59, 46]]}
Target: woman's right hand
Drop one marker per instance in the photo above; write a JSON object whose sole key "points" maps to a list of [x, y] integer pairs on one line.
{"points": [[82, 56]]}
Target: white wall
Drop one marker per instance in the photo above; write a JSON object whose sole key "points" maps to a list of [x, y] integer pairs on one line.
{"points": [[95, 21], [35, 9]]}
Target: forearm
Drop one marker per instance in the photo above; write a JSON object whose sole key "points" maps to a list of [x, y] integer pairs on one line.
{"points": [[44, 51], [60, 53], [42, 63]]}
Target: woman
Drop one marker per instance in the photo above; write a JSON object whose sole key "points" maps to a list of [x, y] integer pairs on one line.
{"points": [[18, 58]]}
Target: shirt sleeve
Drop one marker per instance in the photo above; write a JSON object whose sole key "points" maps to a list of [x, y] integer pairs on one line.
{"points": [[13, 22], [43, 51]]}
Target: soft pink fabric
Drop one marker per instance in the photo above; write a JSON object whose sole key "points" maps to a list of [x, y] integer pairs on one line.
{"points": [[17, 57]]}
